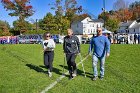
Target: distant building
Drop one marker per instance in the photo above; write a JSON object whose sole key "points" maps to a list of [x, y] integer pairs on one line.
{"points": [[130, 27], [134, 28], [86, 26]]}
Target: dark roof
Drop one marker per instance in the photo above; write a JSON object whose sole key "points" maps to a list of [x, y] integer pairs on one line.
{"points": [[97, 20], [138, 20], [93, 20], [125, 24], [79, 20]]}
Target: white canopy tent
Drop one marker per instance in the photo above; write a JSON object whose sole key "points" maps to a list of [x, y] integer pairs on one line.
{"points": [[107, 31]]}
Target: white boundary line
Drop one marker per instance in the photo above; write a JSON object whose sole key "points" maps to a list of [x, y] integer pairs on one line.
{"points": [[60, 78]]}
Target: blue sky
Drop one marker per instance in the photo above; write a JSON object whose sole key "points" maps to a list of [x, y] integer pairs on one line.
{"points": [[41, 7]]}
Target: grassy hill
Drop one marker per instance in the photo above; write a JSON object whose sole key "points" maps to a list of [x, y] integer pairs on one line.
{"points": [[22, 71]]}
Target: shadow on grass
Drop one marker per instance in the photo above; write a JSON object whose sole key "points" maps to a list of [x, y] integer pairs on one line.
{"points": [[56, 70], [65, 67], [36, 68], [41, 70], [80, 72]]}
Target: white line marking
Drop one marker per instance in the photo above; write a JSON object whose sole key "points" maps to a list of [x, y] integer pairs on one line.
{"points": [[60, 78]]}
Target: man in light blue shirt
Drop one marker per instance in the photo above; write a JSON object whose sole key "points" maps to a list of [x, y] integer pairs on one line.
{"points": [[101, 46]]}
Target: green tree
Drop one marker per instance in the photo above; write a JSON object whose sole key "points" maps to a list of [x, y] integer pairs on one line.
{"points": [[17, 27], [112, 24], [62, 24], [61, 21], [47, 23], [67, 8]]}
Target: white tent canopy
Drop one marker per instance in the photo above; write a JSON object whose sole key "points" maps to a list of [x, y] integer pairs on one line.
{"points": [[105, 31]]}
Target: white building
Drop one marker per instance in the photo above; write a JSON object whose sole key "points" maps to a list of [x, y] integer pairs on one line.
{"points": [[134, 28], [130, 27], [86, 26]]}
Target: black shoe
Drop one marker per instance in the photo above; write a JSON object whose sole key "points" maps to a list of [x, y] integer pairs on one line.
{"points": [[101, 78], [71, 77], [94, 78]]}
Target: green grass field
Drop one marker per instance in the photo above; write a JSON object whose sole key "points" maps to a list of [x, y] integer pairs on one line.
{"points": [[22, 71]]}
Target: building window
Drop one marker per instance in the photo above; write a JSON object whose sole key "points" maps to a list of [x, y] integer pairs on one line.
{"points": [[97, 25], [88, 30], [84, 26], [77, 25], [90, 25], [83, 31]]}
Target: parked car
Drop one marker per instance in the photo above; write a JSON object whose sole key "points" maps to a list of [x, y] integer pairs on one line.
{"points": [[85, 40]]}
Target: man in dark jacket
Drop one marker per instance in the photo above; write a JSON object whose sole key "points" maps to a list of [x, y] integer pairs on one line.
{"points": [[71, 47]]}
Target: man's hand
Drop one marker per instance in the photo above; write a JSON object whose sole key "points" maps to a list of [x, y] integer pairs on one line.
{"points": [[79, 53], [107, 54]]}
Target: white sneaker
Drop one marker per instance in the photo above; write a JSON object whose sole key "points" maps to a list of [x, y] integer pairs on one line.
{"points": [[74, 75], [50, 74], [48, 71]]}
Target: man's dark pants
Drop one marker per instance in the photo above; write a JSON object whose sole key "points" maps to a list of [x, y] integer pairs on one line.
{"points": [[71, 62]]}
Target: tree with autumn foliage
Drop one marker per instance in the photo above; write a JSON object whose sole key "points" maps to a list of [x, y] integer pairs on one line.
{"points": [[104, 16], [4, 28], [120, 5], [135, 8], [111, 20], [20, 9], [123, 15], [122, 11], [70, 9]]}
